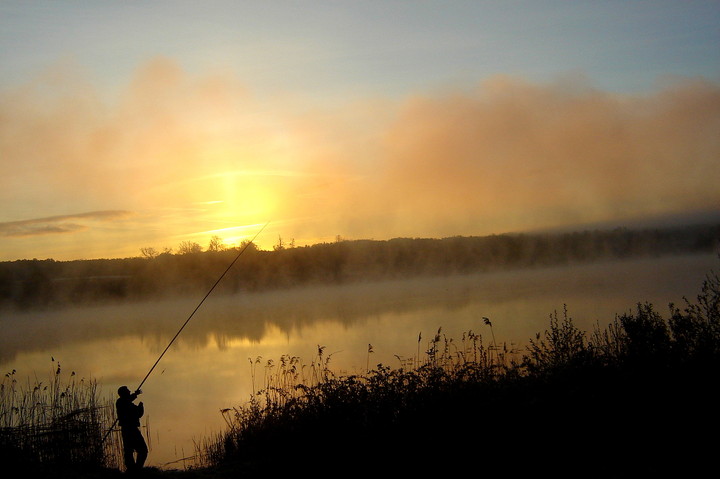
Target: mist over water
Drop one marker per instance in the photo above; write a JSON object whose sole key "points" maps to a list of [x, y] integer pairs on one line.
{"points": [[209, 367]]}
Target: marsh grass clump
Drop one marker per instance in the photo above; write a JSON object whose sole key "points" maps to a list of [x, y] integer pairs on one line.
{"points": [[311, 404], [58, 423], [639, 387]]}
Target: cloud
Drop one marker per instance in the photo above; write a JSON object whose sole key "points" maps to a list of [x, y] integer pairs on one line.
{"points": [[58, 224], [512, 155], [200, 153]]}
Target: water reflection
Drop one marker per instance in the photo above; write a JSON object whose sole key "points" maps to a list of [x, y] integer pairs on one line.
{"points": [[208, 368]]}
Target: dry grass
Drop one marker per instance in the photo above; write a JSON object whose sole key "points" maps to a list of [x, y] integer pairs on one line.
{"points": [[58, 422]]}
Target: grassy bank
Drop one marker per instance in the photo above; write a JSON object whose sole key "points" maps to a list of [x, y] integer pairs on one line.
{"points": [[633, 398]]}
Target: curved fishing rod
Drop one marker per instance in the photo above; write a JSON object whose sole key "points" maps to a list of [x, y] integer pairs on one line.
{"points": [[190, 317]]}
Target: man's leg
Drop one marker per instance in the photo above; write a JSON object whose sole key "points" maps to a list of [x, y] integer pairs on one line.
{"points": [[142, 450], [128, 449]]}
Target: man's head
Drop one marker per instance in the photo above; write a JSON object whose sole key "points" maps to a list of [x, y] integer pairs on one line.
{"points": [[123, 391]]}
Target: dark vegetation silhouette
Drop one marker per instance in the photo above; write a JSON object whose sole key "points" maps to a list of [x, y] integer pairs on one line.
{"points": [[632, 400], [38, 284], [55, 427]]}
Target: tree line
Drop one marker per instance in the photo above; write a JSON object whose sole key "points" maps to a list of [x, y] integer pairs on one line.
{"points": [[31, 284]]}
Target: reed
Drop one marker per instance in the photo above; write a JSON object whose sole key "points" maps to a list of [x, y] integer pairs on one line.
{"points": [[57, 422], [297, 397]]}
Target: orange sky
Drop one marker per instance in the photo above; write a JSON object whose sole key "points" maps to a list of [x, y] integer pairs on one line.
{"points": [[168, 153], [181, 158]]}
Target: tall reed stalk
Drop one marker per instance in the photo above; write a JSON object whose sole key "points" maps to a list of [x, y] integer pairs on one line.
{"points": [[58, 422]]}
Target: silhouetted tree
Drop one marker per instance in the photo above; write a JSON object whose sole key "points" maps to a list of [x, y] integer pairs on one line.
{"points": [[280, 244], [216, 244], [188, 247], [149, 252]]}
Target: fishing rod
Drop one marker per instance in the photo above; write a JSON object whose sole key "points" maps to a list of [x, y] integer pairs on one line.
{"points": [[191, 316], [198, 306]]}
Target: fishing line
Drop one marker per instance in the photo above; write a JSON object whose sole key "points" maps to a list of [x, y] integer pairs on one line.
{"points": [[193, 314]]}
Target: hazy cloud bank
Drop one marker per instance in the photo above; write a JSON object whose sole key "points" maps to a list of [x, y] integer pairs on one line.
{"points": [[513, 155], [505, 155]]}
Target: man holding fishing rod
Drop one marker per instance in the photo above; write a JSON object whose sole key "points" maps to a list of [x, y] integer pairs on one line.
{"points": [[129, 415]]}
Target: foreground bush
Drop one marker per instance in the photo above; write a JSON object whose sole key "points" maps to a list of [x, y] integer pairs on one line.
{"points": [[630, 399]]}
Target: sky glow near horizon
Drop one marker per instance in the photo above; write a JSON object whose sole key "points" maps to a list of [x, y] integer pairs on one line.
{"points": [[126, 125]]}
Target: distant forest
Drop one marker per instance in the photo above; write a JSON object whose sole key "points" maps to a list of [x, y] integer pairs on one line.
{"points": [[38, 284]]}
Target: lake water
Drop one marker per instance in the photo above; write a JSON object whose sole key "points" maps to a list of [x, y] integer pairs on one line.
{"points": [[209, 367]]}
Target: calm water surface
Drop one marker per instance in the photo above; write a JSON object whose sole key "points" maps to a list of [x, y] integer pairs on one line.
{"points": [[209, 367]]}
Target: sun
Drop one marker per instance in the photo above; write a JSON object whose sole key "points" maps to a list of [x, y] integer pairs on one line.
{"points": [[233, 205], [249, 197]]}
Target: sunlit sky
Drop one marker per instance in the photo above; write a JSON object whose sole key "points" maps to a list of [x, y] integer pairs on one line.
{"points": [[145, 124]]}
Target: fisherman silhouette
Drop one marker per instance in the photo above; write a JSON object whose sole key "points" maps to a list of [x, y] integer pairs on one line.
{"points": [[129, 416]]}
